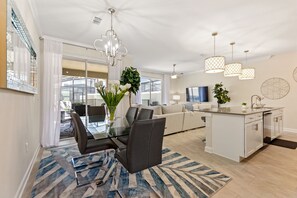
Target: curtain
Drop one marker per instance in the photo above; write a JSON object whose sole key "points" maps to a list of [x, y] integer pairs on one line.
{"points": [[138, 99], [50, 92], [166, 89], [114, 74]]}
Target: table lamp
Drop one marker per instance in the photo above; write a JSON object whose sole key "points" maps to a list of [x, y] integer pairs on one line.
{"points": [[176, 98]]}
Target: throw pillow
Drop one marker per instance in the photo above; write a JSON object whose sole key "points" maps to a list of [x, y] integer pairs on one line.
{"points": [[172, 109]]}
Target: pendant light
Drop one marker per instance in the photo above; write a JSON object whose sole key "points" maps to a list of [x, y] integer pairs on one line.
{"points": [[110, 44], [247, 73], [214, 64], [232, 69], [174, 75]]}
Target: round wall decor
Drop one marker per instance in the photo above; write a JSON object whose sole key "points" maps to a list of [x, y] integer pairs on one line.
{"points": [[275, 88], [295, 74]]}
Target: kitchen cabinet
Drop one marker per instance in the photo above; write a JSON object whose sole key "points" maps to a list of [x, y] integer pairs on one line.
{"points": [[236, 134], [253, 137], [277, 120]]}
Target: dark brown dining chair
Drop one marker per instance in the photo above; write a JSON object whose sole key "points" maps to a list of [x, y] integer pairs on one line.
{"points": [[144, 149], [96, 113], [86, 145], [144, 114], [131, 115], [90, 136]]}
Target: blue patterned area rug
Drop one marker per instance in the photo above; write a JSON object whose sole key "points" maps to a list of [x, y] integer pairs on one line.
{"points": [[177, 176]]}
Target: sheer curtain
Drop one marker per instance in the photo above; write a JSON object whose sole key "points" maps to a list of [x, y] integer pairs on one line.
{"points": [[50, 92], [138, 98], [114, 73], [166, 89]]}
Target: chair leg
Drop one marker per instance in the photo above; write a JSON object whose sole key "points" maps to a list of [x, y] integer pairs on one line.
{"points": [[105, 154], [115, 182], [105, 161], [78, 184], [101, 182]]}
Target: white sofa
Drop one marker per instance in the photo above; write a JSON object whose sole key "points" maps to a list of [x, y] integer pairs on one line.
{"points": [[177, 118]]}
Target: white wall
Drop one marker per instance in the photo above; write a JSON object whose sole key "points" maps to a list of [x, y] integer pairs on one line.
{"points": [[281, 66], [19, 121]]}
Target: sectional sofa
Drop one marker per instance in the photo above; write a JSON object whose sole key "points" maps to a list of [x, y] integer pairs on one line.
{"points": [[178, 118]]}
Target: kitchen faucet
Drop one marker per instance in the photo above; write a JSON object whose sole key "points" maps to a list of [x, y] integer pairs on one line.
{"points": [[258, 98]]}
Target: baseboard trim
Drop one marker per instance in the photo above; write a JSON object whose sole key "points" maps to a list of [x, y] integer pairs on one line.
{"points": [[24, 181], [208, 149], [290, 130]]}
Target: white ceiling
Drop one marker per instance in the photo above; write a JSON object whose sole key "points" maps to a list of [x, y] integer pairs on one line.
{"points": [[159, 33]]}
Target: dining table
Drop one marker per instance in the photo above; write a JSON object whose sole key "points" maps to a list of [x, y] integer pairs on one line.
{"points": [[105, 129]]}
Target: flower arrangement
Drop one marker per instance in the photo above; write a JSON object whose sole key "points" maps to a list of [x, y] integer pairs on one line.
{"points": [[112, 95]]}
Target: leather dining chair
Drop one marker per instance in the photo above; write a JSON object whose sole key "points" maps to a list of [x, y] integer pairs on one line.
{"points": [[86, 145], [80, 109], [144, 114], [96, 113], [144, 149], [90, 136], [131, 115]]}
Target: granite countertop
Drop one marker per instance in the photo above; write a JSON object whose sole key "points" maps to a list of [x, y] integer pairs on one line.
{"points": [[238, 110]]}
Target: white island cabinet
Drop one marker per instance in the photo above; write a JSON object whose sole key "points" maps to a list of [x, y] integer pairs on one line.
{"points": [[253, 131], [233, 133], [273, 124]]}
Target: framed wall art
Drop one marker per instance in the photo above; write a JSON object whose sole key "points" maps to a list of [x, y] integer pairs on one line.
{"points": [[18, 69]]}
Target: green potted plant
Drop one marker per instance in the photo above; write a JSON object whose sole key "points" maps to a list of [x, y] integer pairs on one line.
{"points": [[221, 94], [131, 76], [243, 106]]}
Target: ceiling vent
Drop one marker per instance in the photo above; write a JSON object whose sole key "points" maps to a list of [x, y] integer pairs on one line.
{"points": [[97, 20]]}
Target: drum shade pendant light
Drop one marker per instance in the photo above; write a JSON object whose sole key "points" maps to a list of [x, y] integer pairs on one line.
{"points": [[247, 73], [110, 44], [232, 69], [174, 75], [214, 64]]}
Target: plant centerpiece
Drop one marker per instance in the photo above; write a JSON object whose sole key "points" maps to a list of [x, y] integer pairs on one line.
{"points": [[131, 76], [112, 95], [221, 94], [243, 105]]}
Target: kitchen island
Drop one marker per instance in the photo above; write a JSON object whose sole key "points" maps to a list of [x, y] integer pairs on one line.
{"points": [[235, 133]]}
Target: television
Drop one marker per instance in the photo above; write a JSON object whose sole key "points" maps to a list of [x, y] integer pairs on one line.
{"points": [[197, 94]]}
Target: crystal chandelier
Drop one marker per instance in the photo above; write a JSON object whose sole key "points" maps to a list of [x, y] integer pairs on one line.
{"points": [[110, 45], [247, 73], [214, 64], [232, 69], [173, 74]]}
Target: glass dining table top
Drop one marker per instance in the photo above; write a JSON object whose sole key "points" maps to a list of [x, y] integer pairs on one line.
{"points": [[101, 129]]}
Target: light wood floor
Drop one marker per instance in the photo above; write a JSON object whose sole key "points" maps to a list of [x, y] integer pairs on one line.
{"points": [[270, 173]]}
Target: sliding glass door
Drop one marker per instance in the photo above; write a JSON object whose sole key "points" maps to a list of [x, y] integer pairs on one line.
{"points": [[151, 91], [78, 91]]}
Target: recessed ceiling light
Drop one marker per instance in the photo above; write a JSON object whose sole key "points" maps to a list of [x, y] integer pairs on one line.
{"points": [[97, 20]]}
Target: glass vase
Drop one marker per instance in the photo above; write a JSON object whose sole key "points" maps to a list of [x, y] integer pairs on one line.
{"points": [[110, 113]]}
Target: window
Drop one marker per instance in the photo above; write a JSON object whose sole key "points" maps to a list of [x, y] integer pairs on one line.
{"points": [[73, 89], [78, 89], [78, 82], [151, 91]]}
